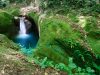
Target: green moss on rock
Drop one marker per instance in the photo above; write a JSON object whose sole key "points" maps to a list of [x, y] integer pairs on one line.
{"points": [[34, 15], [50, 29], [5, 42], [58, 40], [5, 22]]}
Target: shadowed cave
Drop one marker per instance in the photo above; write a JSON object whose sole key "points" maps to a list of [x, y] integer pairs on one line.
{"points": [[26, 31]]}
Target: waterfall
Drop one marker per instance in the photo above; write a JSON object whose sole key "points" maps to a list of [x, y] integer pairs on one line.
{"points": [[22, 26], [27, 41]]}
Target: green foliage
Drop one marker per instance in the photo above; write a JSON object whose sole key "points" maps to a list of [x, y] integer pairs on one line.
{"points": [[85, 6], [13, 11], [44, 63], [58, 41], [51, 54], [4, 3], [94, 43], [81, 56], [95, 34], [91, 24], [73, 16], [49, 30], [18, 1], [22, 2], [34, 15], [5, 21], [5, 42], [70, 69]]}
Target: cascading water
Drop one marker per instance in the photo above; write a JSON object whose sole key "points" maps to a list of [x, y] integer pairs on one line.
{"points": [[22, 26], [22, 31], [26, 41]]}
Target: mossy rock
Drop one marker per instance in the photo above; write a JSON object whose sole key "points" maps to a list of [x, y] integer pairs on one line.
{"points": [[58, 40], [50, 29], [5, 42], [34, 16], [5, 22]]}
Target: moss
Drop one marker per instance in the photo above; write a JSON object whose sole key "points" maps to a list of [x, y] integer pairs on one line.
{"points": [[5, 21], [91, 24], [58, 41], [34, 16], [52, 54], [14, 12], [5, 42], [50, 29]]}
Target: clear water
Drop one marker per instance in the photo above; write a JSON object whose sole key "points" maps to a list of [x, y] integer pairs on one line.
{"points": [[27, 40]]}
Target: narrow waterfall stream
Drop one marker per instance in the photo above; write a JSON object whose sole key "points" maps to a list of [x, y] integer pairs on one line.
{"points": [[27, 41], [22, 26]]}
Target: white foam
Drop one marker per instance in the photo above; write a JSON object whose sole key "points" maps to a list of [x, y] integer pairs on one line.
{"points": [[23, 36]]}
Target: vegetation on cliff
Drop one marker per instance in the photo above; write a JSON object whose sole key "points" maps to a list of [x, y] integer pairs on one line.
{"points": [[69, 40]]}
